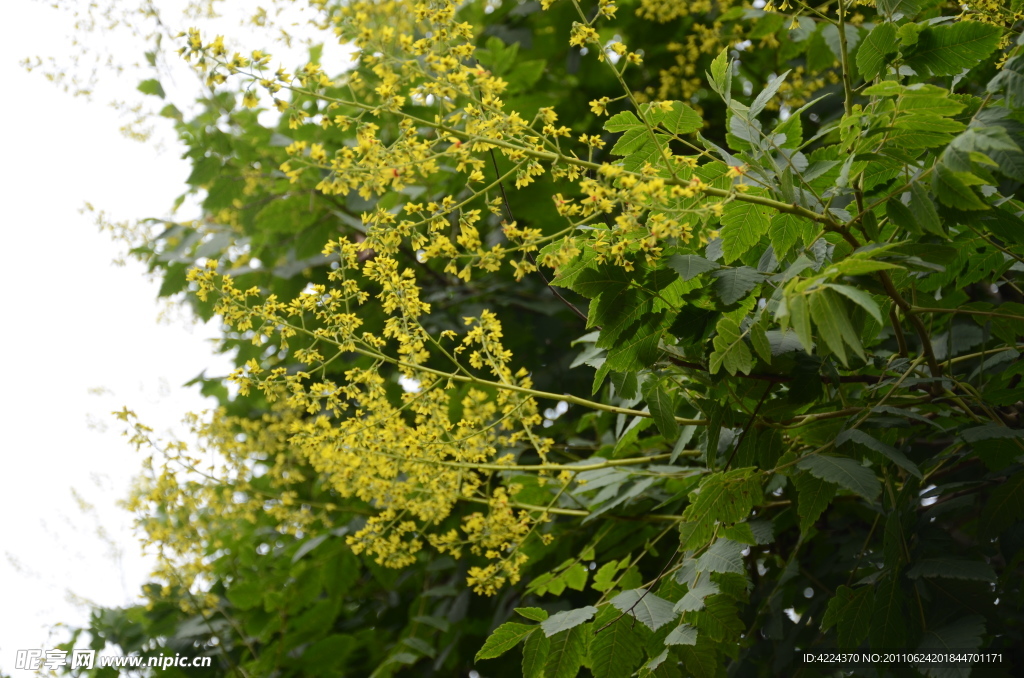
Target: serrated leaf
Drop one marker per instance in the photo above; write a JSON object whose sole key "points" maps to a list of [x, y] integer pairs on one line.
{"points": [[684, 634], [923, 209], [730, 350], [880, 43], [785, 230], [850, 611], [888, 627], [953, 568], [604, 578], [894, 455], [759, 340], [719, 620], [693, 599], [689, 266], [859, 297], [535, 654], [1005, 506], [843, 472], [765, 95], [813, 497], [680, 119], [566, 653], [532, 613], [964, 634], [641, 348], [900, 214], [948, 50], [890, 8], [662, 407], [743, 224], [833, 323], [724, 497], [733, 284], [631, 141], [721, 75], [620, 122], [576, 577], [504, 638], [617, 650], [650, 610], [567, 619], [701, 662], [800, 317], [953, 189], [725, 555]]}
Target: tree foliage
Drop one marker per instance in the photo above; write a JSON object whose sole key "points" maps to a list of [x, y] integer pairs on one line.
{"points": [[656, 338]]}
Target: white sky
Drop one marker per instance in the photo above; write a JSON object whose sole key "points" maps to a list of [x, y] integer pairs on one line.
{"points": [[72, 322]]}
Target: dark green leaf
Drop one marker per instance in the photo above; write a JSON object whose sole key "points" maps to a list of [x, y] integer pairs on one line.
{"points": [[504, 638], [880, 43], [843, 472], [947, 50]]}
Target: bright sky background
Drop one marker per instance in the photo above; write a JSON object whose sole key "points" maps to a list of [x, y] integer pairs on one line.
{"points": [[72, 322]]}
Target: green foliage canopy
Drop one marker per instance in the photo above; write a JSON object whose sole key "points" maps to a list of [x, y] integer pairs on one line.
{"points": [[708, 319]]}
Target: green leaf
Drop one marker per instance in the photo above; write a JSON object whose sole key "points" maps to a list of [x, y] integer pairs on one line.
{"points": [[641, 349], [800, 317], [684, 634], [690, 265], [894, 455], [632, 141], [833, 323], [759, 340], [725, 555], [721, 75], [604, 578], [576, 577], [850, 611], [649, 609], [504, 638], [743, 224], [730, 349], [923, 209], [693, 599], [567, 619], [813, 497], [535, 654], [662, 407], [859, 297], [532, 613], [947, 50], [566, 654], [616, 650], [953, 189], [724, 497], [620, 122], [843, 472], [953, 568], [733, 284], [719, 620], [890, 8], [152, 87], [246, 595], [901, 215], [765, 95], [871, 56], [961, 635], [785, 230], [680, 119], [1005, 506], [888, 626]]}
